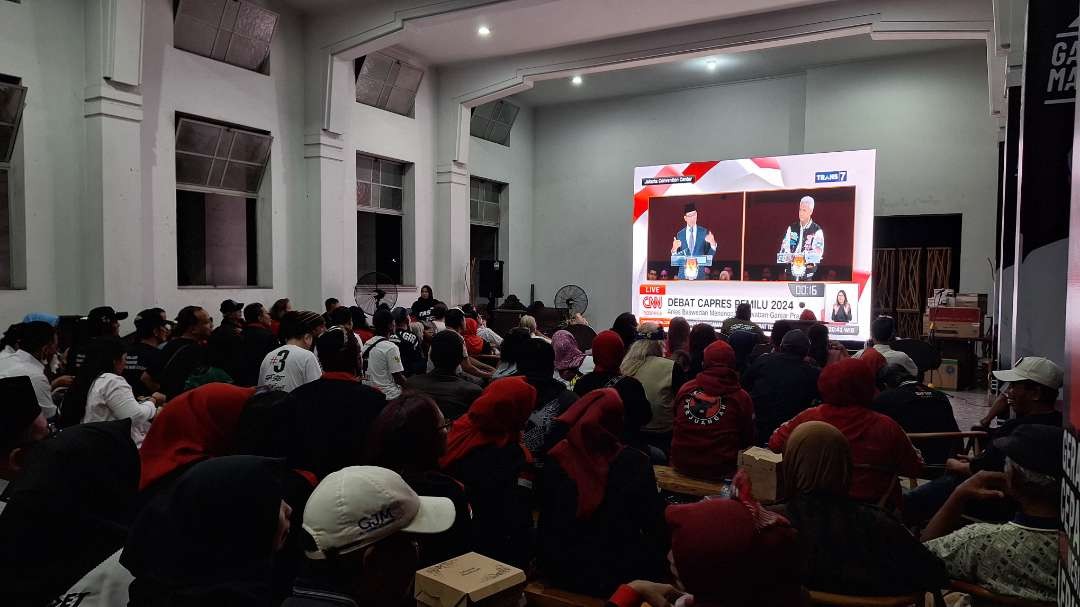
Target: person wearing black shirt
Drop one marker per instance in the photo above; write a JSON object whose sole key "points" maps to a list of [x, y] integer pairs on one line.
{"points": [[408, 344], [227, 338], [102, 321], [142, 360], [919, 409], [256, 341], [781, 384], [185, 354]]}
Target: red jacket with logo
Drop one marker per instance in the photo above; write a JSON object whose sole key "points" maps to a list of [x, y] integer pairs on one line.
{"points": [[709, 431]]}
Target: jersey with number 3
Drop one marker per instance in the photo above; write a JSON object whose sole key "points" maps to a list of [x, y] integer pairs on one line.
{"points": [[288, 368]]}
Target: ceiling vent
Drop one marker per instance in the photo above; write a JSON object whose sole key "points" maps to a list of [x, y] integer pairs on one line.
{"points": [[387, 83], [493, 121], [233, 31]]}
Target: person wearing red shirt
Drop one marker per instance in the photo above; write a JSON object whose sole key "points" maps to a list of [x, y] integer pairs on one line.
{"points": [[879, 448], [714, 418]]}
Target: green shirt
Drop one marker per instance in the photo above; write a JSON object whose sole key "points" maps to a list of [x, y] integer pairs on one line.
{"points": [[1010, 559]]}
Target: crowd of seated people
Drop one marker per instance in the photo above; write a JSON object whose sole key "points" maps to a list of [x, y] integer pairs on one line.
{"points": [[191, 465]]}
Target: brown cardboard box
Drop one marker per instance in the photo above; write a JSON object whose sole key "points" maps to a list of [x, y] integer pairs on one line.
{"points": [[945, 376], [470, 579], [763, 466], [951, 328]]}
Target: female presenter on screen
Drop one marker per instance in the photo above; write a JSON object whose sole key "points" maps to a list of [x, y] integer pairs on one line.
{"points": [[841, 310]]}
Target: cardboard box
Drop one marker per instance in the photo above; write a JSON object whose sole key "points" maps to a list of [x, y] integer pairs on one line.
{"points": [[945, 376], [470, 579], [972, 300], [944, 327], [763, 466]]}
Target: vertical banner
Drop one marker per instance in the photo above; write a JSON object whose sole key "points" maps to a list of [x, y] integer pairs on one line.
{"points": [[1050, 64], [1067, 42]]}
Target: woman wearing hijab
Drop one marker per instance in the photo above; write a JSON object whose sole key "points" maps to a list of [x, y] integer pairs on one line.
{"points": [[409, 437], [211, 539], [568, 357], [879, 448], [608, 352], [850, 547], [68, 510], [474, 344], [626, 326], [485, 453], [423, 303], [714, 418], [601, 518], [197, 425], [700, 337], [733, 553]]}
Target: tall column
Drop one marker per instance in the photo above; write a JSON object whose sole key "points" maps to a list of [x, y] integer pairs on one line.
{"points": [[111, 212], [451, 232]]}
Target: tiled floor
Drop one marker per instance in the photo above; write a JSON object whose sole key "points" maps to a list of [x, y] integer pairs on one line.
{"points": [[969, 407]]}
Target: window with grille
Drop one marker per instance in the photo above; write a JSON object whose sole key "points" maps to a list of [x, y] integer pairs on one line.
{"points": [[493, 121], [218, 157], [484, 201], [237, 32], [387, 83], [380, 184], [219, 172], [12, 97]]}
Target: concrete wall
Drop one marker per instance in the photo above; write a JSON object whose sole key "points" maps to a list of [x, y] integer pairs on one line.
{"points": [[512, 165], [43, 43], [926, 115]]}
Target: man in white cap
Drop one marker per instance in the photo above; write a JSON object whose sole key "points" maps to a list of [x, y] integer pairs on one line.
{"points": [[1032, 391], [359, 522], [804, 237]]}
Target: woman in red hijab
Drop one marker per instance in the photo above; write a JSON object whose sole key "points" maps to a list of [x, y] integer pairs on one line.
{"points": [[714, 418], [880, 449], [197, 425], [473, 342], [608, 351], [484, 453], [601, 518], [726, 553]]}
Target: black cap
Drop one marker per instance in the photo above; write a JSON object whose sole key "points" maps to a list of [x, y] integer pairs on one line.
{"points": [[229, 306], [20, 408], [104, 314], [795, 342], [689, 208], [1035, 447], [151, 318]]}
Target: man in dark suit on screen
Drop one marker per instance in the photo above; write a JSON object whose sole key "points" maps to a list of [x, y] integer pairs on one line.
{"points": [[693, 240]]}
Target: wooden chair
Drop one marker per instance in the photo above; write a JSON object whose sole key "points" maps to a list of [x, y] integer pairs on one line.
{"points": [[984, 596], [539, 595], [846, 600], [670, 480]]}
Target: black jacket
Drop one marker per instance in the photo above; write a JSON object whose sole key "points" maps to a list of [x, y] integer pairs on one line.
{"points": [[330, 420], [625, 539], [256, 341], [502, 517], [781, 386], [855, 548], [919, 409], [455, 541], [635, 403]]}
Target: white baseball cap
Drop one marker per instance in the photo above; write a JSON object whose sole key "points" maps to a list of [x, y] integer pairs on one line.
{"points": [[357, 506], [1034, 368]]}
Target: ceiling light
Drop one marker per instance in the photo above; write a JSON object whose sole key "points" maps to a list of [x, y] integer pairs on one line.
{"points": [[576, 81], [711, 64], [484, 31]]}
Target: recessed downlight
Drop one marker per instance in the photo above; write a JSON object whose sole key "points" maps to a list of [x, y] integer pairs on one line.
{"points": [[576, 80], [483, 31]]}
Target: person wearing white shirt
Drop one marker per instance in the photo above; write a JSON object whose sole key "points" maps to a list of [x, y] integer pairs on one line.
{"points": [[382, 359], [100, 392], [37, 343], [294, 364], [882, 334]]}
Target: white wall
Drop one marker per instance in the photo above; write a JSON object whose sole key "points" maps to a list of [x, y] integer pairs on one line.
{"points": [[926, 115], [936, 146], [43, 43], [409, 139], [512, 165], [178, 81], [585, 158]]}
